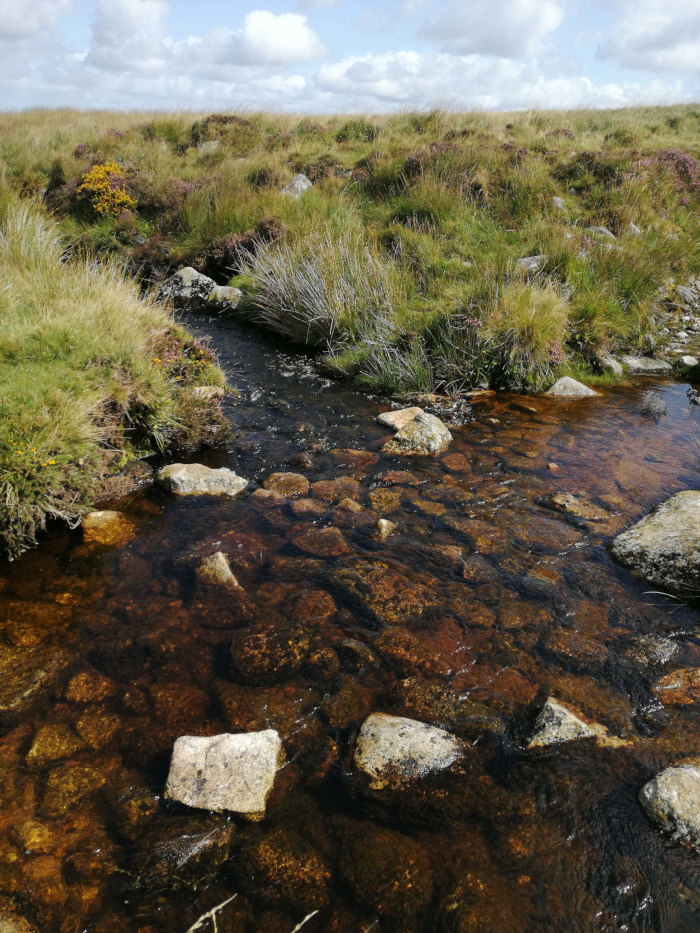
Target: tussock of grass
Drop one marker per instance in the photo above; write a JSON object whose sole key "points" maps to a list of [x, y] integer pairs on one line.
{"points": [[420, 215], [78, 375]]}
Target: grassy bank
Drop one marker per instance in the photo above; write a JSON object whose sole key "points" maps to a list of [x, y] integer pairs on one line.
{"points": [[90, 376], [400, 264]]}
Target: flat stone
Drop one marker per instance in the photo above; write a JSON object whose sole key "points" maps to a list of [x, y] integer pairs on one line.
{"points": [[556, 723], [417, 433], [287, 484], [107, 528], [664, 547], [645, 364], [225, 772], [216, 569], [335, 490], [224, 297], [321, 542], [195, 479], [297, 186], [574, 505], [688, 296], [671, 801], [398, 419], [392, 750], [566, 387]]}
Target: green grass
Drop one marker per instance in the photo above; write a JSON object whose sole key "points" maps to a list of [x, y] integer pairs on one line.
{"points": [[399, 265], [88, 372]]}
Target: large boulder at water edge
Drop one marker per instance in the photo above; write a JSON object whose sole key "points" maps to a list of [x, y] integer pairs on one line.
{"points": [[646, 365], [187, 288], [417, 432], [195, 479], [225, 772], [664, 547], [671, 801], [566, 387]]}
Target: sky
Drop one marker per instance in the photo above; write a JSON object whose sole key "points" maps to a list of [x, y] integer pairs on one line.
{"points": [[328, 56]]}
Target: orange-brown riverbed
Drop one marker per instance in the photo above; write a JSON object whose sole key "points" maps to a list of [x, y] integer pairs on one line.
{"points": [[478, 608]]}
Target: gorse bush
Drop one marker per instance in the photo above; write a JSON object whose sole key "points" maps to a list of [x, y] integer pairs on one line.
{"points": [[103, 186]]}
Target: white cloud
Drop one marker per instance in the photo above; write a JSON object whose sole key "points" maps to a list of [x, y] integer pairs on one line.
{"points": [[267, 39], [23, 19], [652, 35], [127, 35], [508, 28]]}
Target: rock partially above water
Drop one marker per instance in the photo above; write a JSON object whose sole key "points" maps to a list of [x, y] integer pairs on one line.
{"points": [[187, 287], [393, 750], [417, 432], [287, 484], [225, 772], [556, 723], [194, 479], [645, 364], [111, 529], [574, 505], [566, 387], [671, 800], [664, 547]]}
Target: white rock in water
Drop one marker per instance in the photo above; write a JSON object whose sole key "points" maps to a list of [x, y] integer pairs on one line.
{"points": [[671, 800], [297, 186], [187, 288], [566, 387], [556, 723], [664, 547], [645, 364], [194, 479], [417, 432], [225, 772], [393, 750]]}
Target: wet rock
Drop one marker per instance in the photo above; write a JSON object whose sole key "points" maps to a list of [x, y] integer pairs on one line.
{"points": [[428, 507], [566, 387], [575, 651], [284, 870], [432, 702], [653, 649], [26, 676], [385, 529], [681, 688], [67, 786], [97, 729], [409, 655], [664, 547], [457, 463], [297, 186], [191, 479], [89, 687], [556, 723], [392, 751], [110, 529], [349, 706], [574, 505], [187, 288], [485, 538], [417, 432], [216, 569], [385, 500], [224, 298], [270, 651], [334, 490], [12, 922], [51, 743], [350, 514], [132, 808], [287, 484], [225, 772], [264, 499], [402, 477], [671, 801], [308, 508], [186, 850], [388, 595], [321, 542], [386, 871], [645, 364]]}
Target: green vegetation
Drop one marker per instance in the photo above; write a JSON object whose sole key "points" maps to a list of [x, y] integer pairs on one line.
{"points": [[89, 374], [400, 264]]}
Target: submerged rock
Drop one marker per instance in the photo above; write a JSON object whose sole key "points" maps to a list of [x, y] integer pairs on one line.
{"points": [[566, 387], [671, 800], [556, 723], [287, 484], [187, 288], [417, 432], [194, 479], [216, 569], [297, 186], [681, 688], [664, 547], [188, 850], [645, 364], [385, 529], [286, 871], [108, 528], [574, 505], [393, 750], [225, 772]]}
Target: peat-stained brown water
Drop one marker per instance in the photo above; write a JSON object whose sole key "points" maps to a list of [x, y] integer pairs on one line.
{"points": [[480, 606]]}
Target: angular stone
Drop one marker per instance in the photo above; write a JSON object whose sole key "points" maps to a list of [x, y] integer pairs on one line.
{"points": [[216, 569], [671, 800], [566, 387], [664, 547], [573, 505], [610, 365], [287, 484], [417, 433], [187, 288], [393, 750], [224, 298], [385, 529], [398, 419], [225, 772], [194, 479], [556, 723], [633, 229], [89, 687], [688, 296], [532, 264], [645, 364], [297, 186], [111, 529], [51, 743]]}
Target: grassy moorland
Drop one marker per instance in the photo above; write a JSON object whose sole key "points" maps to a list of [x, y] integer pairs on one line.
{"points": [[90, 375], [399, 265]]}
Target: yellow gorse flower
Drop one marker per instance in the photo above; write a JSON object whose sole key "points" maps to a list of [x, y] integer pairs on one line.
{"points": [[102, 185]]}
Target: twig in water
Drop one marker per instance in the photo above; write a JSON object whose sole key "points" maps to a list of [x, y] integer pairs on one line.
{"points": [[304, 922], [210, 915]]}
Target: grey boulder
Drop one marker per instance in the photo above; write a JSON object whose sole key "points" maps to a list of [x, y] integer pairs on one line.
{"points": [[557, 723], [417, 432], [225, 772], [645, 364], [187, 288], [664, 547], [195, 479], [224, 298], [566, 387], [671, 801], [297, 186]]}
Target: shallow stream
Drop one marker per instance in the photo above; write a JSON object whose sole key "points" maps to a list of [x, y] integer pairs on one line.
{"points": [[481, 605]]}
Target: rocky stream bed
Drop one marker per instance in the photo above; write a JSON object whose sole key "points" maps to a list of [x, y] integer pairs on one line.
{"points": [[466, 705]]}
